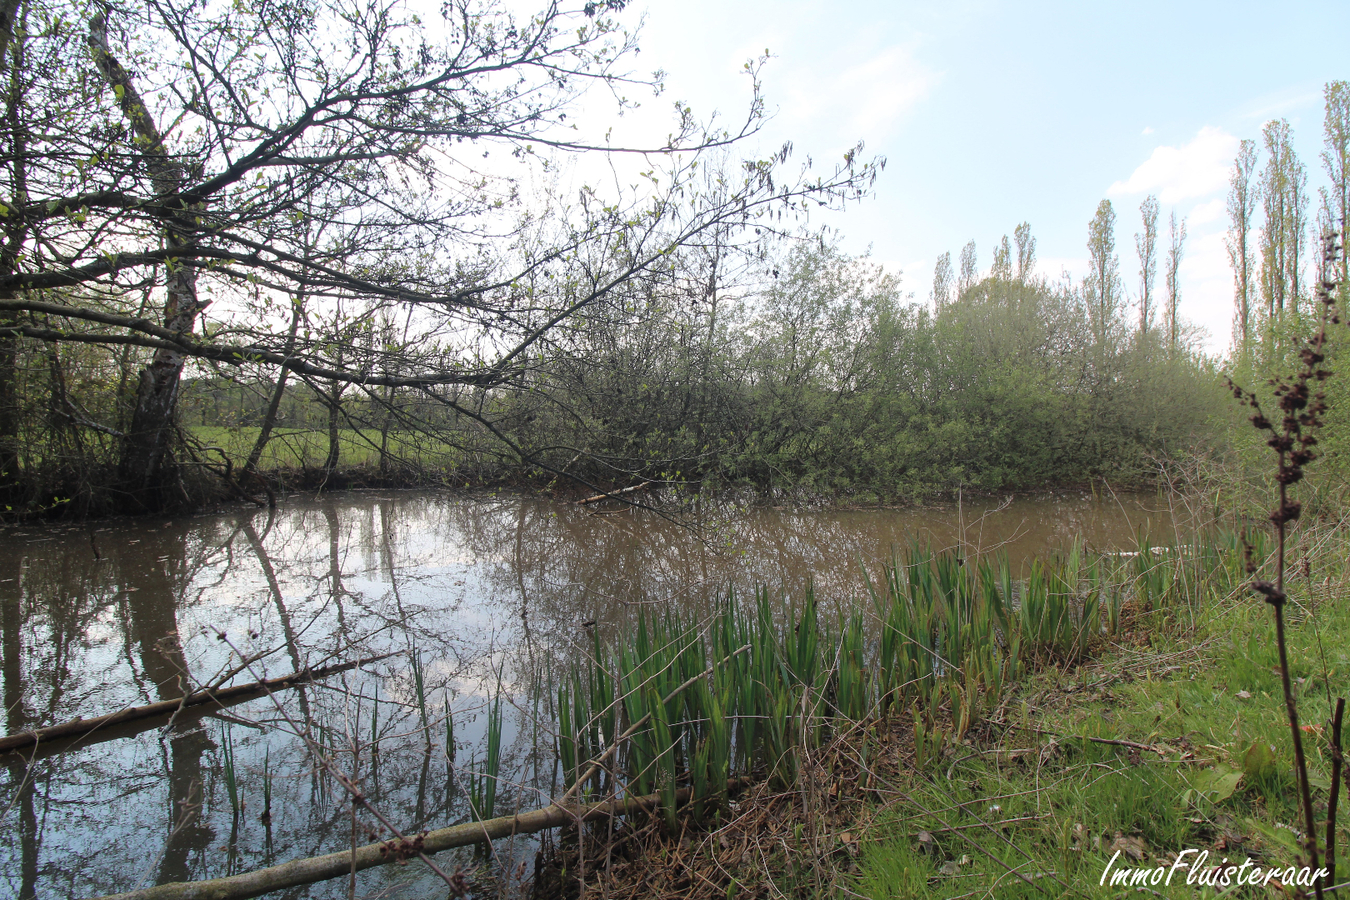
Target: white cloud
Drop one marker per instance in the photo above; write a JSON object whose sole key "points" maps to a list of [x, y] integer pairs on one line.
{"points": [[1196, 169], [871, 94], [1204, 213], [1287, 102], [1207, 288], [1148, 129]]}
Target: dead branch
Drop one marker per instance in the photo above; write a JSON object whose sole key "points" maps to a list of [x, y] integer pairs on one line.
{"points": [[334, 865], [208, 697], [628, 490]]}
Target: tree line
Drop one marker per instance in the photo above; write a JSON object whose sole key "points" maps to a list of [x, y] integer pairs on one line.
{"points": [[822, 375], [803, 373], [1280, 251], [289, 218], [1273, 247]]}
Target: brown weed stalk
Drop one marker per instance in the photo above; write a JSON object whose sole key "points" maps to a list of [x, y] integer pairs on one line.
{"points": [[1302, 402]]}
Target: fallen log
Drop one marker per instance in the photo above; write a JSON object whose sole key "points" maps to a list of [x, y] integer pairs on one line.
{"points": [[628, 490], [334, 865], [198, 701]]}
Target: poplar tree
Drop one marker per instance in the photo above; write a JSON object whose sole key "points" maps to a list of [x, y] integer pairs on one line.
{"points": [[1002, 268], [942, 282], [1336, 163], [1243, 197], [1102, 288], [1284, 192], [969, 273], [1146, 245], [1175, 249], [1026, 251]]}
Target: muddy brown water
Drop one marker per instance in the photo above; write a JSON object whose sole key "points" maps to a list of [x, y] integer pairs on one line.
{"points": [[488, 592]]}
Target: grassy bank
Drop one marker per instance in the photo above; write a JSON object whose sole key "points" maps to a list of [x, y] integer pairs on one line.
{"points": [[977, 733], [1172, 741]]}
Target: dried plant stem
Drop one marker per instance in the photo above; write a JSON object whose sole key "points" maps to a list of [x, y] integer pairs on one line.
{"points": [[1293, 441], [1278, 600], [1337, 763]]}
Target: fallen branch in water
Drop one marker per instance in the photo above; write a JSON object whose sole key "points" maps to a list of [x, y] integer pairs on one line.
{"points": [[334, 865], [628, 490], [206, 697]]}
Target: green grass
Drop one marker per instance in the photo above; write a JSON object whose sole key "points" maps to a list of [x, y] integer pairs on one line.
{"points": [[294, 449], [1223, 781]]}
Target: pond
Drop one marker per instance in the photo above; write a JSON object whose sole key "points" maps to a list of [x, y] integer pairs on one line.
{"points": [[463, 599]]}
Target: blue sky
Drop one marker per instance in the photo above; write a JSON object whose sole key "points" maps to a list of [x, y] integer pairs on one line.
{"points": [[994, 113]]}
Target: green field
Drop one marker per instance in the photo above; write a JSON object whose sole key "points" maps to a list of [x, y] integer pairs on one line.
{"points": [[295, 449]]}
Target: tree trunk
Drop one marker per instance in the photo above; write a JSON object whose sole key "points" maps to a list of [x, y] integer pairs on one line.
{"points": [[299, 872], [334, 448], [146, 460], [11, 64], [24, 831], [9, 414], [386, 463], [278, 393]]}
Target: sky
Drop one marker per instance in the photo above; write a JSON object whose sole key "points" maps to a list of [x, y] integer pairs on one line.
{"points": [[994, 113]]}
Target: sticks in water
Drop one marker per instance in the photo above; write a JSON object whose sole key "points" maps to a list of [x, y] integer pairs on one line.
{"points": [[208, 698], [335, 865]]}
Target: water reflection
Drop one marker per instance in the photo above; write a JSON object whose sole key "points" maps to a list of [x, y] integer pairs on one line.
{"points": [[93, 620]]}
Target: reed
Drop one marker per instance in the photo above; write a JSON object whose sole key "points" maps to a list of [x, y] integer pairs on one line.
{"points": [[420, 690], [449, 733], [230, 774], [749, 691], [375, 723], [483, 784], [266, 817]]}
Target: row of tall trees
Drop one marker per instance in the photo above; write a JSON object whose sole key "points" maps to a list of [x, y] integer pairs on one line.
{"points": [[1102, 291], [1278, 252], [1273, 246]]}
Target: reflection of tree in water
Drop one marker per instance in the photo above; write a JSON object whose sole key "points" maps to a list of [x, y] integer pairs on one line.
{"points": [[477, 586], [21, 790], [66, 601], [565, 566], [155, 592]]}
